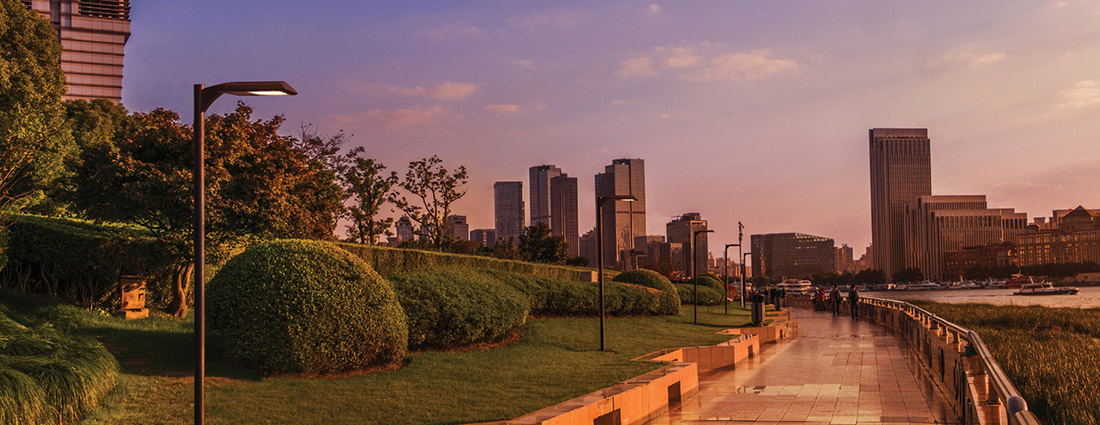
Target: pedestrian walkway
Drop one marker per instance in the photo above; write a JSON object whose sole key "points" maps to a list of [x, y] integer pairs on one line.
{"points": [[833, 370]]}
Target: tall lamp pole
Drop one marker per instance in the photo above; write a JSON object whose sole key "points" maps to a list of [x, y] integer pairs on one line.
{"points": [[740, 235], [695, 272], [726, 274], [204, 97], [599, 251]]}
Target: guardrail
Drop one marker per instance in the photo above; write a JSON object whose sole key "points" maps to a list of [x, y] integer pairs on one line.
{"points": [[983, 393]]}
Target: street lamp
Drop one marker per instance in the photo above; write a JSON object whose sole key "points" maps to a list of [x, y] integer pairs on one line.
{"points": [[695, 272], [204, 96], [599, 249], [726, 274]]}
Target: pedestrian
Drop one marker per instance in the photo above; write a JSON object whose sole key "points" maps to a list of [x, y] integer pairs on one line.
{"points": [[853, 300], [834, 297]]}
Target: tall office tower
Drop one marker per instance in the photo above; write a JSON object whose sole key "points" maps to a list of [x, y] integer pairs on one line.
{"points": [[93, 35], [844, 259], [901, 171], [791, 255], [587, 244], [563, 212], [405, 231], [458, 227], [541, 203], [485, 237], [622, 220], [937, 224], [679, 230], [508, 208]]}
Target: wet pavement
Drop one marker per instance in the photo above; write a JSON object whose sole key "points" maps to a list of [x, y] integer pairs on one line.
{"points": [[833, 370]]}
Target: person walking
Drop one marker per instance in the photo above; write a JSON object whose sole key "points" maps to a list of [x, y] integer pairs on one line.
{"points": [[853, 300], [834, 298]]}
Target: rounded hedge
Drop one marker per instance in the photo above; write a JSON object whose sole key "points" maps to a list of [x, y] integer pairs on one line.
{"points": [[456, 307], [708, 281], [305, 306], [707, 295], [669, 302]]}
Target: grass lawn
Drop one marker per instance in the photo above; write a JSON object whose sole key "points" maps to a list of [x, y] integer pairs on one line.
{"points": [[556, 359]]}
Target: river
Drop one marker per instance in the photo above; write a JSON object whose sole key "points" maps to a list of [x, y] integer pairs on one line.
{"points": [[1089, 297]]}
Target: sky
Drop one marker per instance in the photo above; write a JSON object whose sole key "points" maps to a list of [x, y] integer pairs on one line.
{"points": [[745, 111]]}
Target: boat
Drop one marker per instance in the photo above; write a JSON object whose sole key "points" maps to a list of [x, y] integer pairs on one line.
{"points": [[1018, 281], [796, 286], [923, 286], [1044, 288]]}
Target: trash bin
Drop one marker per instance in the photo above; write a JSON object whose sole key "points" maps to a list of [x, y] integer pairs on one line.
{"points": [[757, 309]]}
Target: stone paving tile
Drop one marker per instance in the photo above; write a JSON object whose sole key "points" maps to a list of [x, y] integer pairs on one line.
{"points": [[832, 371]]}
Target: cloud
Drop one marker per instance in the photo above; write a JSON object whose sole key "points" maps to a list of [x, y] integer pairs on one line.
{"points": [[454, 31], [525, 63], [654, 9], [448, 90], [741, 66], [988, 58], [619, 102], [1084, 93], [512, 109], [557, 20], [682, 57], [636, 67], [399, 118]]}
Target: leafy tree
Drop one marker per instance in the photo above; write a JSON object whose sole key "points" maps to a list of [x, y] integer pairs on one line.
{"points": [[259, 185], [538, 245], [577, 261], [504, 249], [33, 138], [433, 189], [367, 187], [662, 266], [870, 276], [911, 274]]}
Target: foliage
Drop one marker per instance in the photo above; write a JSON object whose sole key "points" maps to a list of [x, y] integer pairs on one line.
{"points": [[538, 245], [33, 140], [707, 295], [456, 307], [911, 274], [662, 266], [1055, 370], [433, 189], [870, 276], [394, 261], [708, 281], [49, 374], [670, 300], [577, 261], [367, 187], [305, 306], [551, 297]]}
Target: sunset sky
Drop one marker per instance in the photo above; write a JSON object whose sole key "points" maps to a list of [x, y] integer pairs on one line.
{"points": [[751, 111]]}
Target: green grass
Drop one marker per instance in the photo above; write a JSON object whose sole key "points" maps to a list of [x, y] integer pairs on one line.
{"points": [[555, 360], [1056, 371]]}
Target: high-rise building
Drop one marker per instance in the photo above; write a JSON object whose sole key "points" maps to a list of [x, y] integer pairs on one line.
{"points": [[1069, 236], [680, 230], [485, 237], [540, 192], [563, 212], [940, 223], [844, 259], [508, 208], [588, 247], [458, 227], [901, 171], [622, 220], [791, 255], [405, 231], [93, 35]]}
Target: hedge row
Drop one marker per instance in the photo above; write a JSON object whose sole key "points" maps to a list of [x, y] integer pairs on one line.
{"points": [[395, 261], [48, 375], [550, 297], [669, 302], [707, 295]]}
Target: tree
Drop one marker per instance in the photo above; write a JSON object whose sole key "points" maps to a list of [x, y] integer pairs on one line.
{"points": [[259, 185], [870, 276], [33, 138], [911, 274], [436, 189], [538, 245], [662, 266], [367, 187]]}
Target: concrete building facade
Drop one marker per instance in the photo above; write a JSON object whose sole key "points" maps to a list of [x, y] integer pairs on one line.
{"points": [[679, 230], [1069, 236], [941, 223], [622, 220], [485, 237], [508, 211], [540, 205], [791, 255], [458, 227], [564, 221], [901, 171], [93, 35]]}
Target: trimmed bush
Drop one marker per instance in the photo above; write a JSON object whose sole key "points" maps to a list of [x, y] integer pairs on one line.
{"points": [[395, 261], [708, 281], [48, 375], [707, 295], [550, 297], [456, 307], [305, 306], [669, 302]]}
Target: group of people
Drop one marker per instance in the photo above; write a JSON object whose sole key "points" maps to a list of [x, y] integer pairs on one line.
{"points": [[832, 300]]}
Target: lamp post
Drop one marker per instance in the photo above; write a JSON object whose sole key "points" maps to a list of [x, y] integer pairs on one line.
{"points": [[743, 277], [726, 274], [740, 235], [599, 250], [204, 97], [695, 273]]}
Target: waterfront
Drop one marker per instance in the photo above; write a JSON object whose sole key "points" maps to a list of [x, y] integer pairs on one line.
{"points": [[1089, 297]]}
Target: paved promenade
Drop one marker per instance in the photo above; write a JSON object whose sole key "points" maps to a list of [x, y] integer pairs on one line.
{"points": [[833, 370]]}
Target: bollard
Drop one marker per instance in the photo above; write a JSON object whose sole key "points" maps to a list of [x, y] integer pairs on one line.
{"points": [[757, 309]]}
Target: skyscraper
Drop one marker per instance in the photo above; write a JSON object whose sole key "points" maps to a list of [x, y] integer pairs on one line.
{"points": [[541, 203], [563, 212], [93, 35], [485, 237], [680, 230], [901, 171], [458, 227], [791, 255], [622, 220], [508, 209], [937, 224]]}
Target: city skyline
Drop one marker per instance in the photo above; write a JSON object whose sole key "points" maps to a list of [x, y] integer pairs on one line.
{"points": [[705, 93]]}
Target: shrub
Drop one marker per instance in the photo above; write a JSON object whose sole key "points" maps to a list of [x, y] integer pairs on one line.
{"points": [[48, 375], [456, 307], [550, 297], [305, 306], [707, 295], [669, 302], [708, 281], [394, 261]]}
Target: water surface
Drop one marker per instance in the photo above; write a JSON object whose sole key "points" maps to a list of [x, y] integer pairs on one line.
{"points": [[1089, 297]]}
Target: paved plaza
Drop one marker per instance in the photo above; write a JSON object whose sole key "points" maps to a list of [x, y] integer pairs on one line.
{"points": [[833, 370]]}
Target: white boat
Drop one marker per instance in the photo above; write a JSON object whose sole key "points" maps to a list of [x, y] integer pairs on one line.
{"points": [[923, 286], [1044, 288], [796, 286]]}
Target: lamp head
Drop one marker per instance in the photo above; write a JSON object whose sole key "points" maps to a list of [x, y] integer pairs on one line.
{"points": [[245, 88]]}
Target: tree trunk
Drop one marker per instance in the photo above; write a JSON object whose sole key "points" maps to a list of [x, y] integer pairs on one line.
{"points": [[181, 283]]}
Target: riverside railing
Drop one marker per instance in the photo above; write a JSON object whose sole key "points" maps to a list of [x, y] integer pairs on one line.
{"points": [[956, 357]]}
